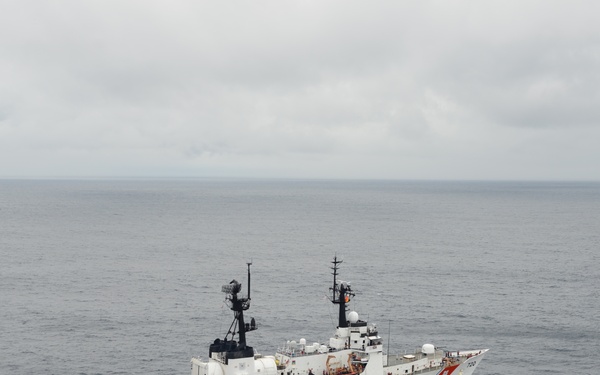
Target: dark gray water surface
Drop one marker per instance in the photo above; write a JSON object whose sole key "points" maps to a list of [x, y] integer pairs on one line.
{"points": [[124, 277]]}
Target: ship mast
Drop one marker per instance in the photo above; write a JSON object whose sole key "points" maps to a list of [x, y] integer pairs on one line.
{"points": [[341, 293], [238, 304]]}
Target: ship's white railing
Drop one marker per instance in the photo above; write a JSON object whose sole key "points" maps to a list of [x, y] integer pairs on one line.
{"points": [[407, 357]]}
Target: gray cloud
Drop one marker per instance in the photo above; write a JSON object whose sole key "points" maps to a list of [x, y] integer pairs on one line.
{"points": [[343, 89]]}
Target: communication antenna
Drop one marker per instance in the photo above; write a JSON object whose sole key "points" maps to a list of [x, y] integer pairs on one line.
{"points": [[249, 264]]}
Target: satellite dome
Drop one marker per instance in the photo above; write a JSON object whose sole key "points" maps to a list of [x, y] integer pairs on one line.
{"points": [[428, 349], [353, 317]]}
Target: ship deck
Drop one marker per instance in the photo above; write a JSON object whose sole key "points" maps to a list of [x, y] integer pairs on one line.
{"points": [[399, 359], [439, 356]]}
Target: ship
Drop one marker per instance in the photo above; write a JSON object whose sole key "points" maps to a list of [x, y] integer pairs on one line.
{"points": [[355, 348]]}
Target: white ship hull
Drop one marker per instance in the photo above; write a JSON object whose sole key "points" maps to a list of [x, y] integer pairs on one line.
{"points": [[355, 349], [465, 365], [370, 360]]}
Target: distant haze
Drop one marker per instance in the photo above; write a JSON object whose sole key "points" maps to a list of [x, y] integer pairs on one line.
{"points": [[300, 89]]}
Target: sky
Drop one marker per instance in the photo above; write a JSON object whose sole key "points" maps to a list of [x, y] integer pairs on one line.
{"points": [[450, 90]]}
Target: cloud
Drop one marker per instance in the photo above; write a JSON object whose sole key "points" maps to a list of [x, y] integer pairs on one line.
{"points": [[389, 90]]}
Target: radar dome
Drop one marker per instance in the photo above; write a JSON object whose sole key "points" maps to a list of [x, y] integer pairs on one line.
{"points": [[353, 317], [428, 349]]}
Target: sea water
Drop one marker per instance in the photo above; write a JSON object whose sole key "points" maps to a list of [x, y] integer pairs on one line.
{"points": [[125, 276]]}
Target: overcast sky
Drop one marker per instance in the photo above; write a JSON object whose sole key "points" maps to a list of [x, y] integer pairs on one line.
{"points": [[301, 89]]}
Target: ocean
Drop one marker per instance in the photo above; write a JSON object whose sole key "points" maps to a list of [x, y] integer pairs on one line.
{"points": [[125, 276]]}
